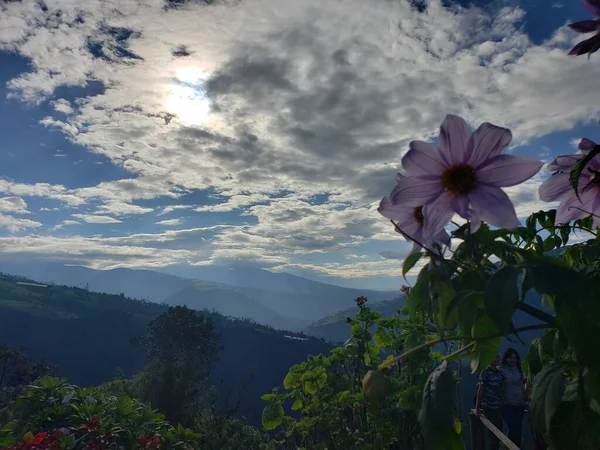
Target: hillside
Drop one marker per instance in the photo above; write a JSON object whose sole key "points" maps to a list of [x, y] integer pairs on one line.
{"points": [[87, 334], [294, 302], [232, 302], [335, 329]]}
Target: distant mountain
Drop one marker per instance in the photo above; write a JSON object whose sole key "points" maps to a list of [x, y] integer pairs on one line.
{"points": [[335, 329], [141, 284], [238, 292], [232, 302], [87, 335]]}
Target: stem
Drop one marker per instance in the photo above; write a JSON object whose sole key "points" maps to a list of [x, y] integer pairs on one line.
{"points": [[538, 314], [426, 345], [459, 351]]}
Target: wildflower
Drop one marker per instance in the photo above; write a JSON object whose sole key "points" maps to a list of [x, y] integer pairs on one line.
{"points": [[590, 45], [463, 175], [38, 439], [558, 187], [409, 221]]}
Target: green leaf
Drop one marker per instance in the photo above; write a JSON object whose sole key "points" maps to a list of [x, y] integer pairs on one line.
{"points": [[532, 363], [437, 411], [418, 299], [410, 262], [486, 348], [268, 397], [547, 394], [310, 387], [298, 404], [575, 304], [292, 380], [573, 428], [579, 167], [501, 297], [382, 337], [272, 416]]}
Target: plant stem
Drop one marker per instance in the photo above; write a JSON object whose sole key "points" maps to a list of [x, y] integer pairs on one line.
{"points": [[426, 345], [538, 314]]}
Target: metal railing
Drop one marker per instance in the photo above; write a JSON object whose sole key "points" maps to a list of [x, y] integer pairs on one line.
{"points": [[478, 424]]}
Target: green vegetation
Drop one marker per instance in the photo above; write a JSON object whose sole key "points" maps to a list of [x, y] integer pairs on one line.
{"points": [[325, 398]]}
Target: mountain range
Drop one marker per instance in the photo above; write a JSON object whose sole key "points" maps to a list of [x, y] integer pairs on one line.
{"points": [[280, 300]]}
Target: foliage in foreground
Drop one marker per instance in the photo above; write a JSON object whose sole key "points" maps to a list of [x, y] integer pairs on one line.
{"points": [[54, 414], [323, 395]]}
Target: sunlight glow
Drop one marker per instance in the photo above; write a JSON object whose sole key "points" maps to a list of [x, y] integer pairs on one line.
{"points": [[186, 98]]}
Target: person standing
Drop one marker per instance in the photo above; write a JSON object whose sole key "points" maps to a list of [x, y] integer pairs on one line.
{"points": [[514, 394], [489, 398]]}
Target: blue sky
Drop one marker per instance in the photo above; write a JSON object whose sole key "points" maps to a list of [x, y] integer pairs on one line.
{"points": [[249, 133]]}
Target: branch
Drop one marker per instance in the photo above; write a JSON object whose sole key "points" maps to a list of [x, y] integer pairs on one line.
{"points": [[388, 364], [538, 314]]}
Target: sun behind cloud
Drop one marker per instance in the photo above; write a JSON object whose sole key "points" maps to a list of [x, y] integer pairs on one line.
{"points": [[186, 98]]}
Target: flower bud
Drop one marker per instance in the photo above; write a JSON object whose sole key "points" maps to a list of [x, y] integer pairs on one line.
{"points": [[374, 385]]}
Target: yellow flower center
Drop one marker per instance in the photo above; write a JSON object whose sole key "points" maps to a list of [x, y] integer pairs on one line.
{"points": [[459, 179]]}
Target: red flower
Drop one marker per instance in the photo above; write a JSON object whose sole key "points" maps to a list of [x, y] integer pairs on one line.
{"points": [[93, 425], [38, 439]]}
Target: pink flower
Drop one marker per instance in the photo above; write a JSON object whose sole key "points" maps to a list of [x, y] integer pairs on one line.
{"points": [[558, 187], [410, 220], [463, 175], [590, 45]]}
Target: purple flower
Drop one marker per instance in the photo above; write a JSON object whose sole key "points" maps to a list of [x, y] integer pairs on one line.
{"points": [[463, 175], [410, 220], [590, 45], [558, 187]]}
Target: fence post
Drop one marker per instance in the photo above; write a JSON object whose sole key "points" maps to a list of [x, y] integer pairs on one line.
{"points": [[477, 432]]}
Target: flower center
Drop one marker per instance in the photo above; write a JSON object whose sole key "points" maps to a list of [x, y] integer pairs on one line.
{"points": [[418, 213], [459, 179]]}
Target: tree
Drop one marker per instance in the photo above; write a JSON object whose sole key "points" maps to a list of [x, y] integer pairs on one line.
{"points": [[180, 346], [329, 409], [17, 371]]}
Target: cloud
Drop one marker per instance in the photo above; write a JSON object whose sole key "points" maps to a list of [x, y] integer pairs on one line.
{"points": [[15, 224], [65, 223], [13, 205], [169, 222], [275, 105], [89, 218]]}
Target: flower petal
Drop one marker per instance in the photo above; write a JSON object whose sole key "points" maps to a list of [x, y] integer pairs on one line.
{"points": [[493, 206], [423, 159], [399, 213], [454, 138], [564, 162], [474, 220], [508, 170], [416, 191], [595, 207], [571, 208], [586, 26], [437, 215], [586, 146], [460, 205], [487, 141], [555, 187], [593, 6]]}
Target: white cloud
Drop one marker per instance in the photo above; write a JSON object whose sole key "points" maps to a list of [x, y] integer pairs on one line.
{"points": [[15, 224], [89, 218], [118, 208], [169, 222], [296, 110], [13, 205], [65, 223]]}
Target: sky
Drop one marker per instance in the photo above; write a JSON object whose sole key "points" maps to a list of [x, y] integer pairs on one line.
{"points": [[168, 134]]}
